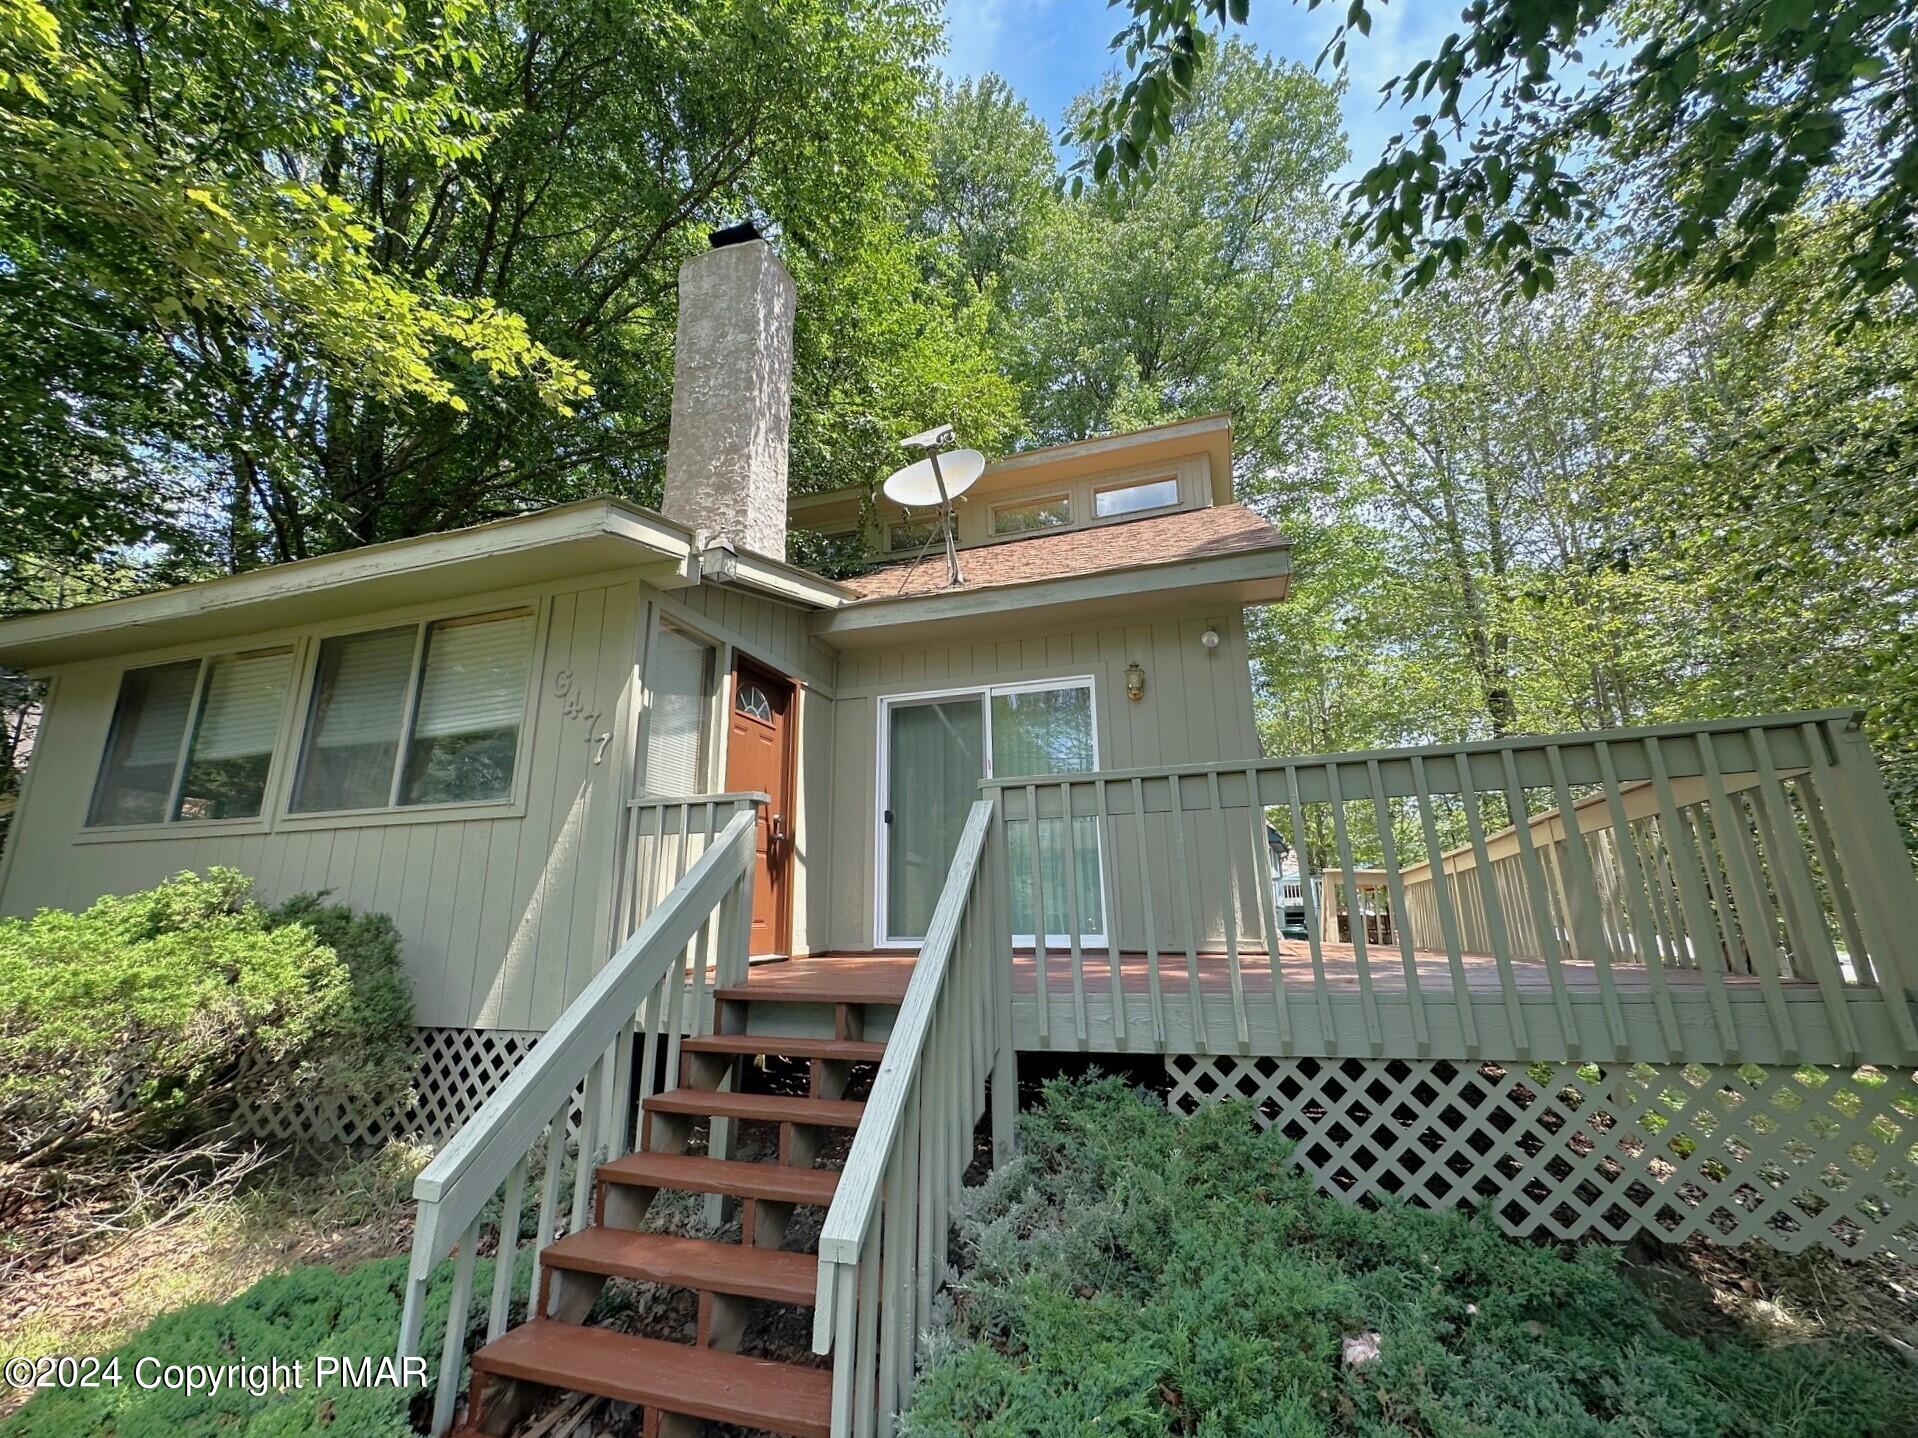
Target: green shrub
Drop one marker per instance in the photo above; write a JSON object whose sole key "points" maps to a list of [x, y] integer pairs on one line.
{"points": [[129, 1031], [298, 1315], [1133, 1273]]}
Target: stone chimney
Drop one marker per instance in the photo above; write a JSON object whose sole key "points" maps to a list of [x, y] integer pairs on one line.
{"points": [[732, 395]]}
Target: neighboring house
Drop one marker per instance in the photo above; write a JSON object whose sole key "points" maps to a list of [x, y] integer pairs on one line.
{"points": [[594, 759]]}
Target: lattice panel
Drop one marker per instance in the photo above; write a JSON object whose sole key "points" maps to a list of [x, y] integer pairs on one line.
{"points": [[1787, 1157], [455, 1071]]}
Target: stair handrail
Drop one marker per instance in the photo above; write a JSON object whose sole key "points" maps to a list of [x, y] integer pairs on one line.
{"points": [[909, 1155], [592, 1044]]}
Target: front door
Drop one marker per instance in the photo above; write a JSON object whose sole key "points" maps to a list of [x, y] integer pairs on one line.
{"points": [[759, 756]]}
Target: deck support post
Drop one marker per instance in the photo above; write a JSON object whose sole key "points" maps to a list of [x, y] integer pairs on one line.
{"points": [[998, 928]]}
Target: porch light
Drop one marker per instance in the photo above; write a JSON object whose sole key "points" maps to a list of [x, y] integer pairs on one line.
{"points": [[719, 562], [1210, 639], [1134, 681]]}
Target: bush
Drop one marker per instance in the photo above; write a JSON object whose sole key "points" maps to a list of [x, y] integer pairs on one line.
{"points": [[128, 1032], [1133, 1273], [297, 1315]]}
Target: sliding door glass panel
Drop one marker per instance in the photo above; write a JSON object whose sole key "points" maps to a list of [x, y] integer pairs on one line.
{"points": [[359, 707], [935, 760], [233, 738], [472, 697], [148, 724], [1049, 731]]}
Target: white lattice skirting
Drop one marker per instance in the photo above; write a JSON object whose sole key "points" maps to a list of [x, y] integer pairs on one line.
{"points": [[1787, 1157], [456, 1071]]}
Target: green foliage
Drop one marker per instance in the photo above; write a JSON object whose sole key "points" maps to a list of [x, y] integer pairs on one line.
{"points": [[1726, 121], [1137, 1274], [299, 1315], [140, 1010], [367, 1046]]}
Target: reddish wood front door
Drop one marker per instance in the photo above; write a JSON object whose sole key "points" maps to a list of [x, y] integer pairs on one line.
{"points": [[759, 755]]}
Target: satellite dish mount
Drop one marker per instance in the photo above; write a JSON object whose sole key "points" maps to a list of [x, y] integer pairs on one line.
{"points": [[927, 483]]}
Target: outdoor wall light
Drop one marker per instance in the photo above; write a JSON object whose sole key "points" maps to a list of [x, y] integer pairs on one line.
{"points": [[1210, 639], [1134, 681]]}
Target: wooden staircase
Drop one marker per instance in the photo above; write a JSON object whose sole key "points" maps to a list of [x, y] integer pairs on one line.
{"points": [[677, 1386]]}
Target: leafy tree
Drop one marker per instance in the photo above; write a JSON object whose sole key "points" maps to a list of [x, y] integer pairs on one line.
{"points": [[469, 221], [1729, 117], [1214, 289], [991, 186]]}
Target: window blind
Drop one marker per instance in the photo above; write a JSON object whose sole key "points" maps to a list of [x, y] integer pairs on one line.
{"points": [[153, 711], [475, 677], [363, 688], [676, 681], [240, 707]]}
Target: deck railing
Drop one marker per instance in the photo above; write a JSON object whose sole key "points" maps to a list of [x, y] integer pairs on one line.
{"points": [[882, 1250], [1732, 889], [573, 1100], [665, 834]]}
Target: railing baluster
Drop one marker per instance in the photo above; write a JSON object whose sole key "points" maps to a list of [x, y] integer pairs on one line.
{"points": [[1187, 884], [506, 1254], [1368, 1001], [548, 1225], [458, 1311], [1813, 800], [1267, 892], [1109, 911], [1308, 902], [1401, 911], [1634, 897], [1443, 900], [1039, 955], [1073, 912], [1700, 918], [1149, 913], [586, 1155], [1494, 915], [1804, 915], [1229, 900], [1754, 913], [1584, 917], [1540, 901]]}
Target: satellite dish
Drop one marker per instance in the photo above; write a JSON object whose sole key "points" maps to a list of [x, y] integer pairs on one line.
{"points": [[936, 479]]}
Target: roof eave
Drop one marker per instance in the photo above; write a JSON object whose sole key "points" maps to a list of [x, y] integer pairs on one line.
{"points": [[587, 537]]}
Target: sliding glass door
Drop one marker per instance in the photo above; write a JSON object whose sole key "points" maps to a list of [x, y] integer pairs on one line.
{"points": [[935, 759], [934, 751], [1044, 730]]}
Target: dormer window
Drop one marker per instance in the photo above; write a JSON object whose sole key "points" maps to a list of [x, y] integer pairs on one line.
{"points": [[908, 536], [1126, 499], [1022, 516]]}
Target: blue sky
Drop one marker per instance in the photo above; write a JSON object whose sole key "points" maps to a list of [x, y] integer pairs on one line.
{"points": [[1050, 50]]}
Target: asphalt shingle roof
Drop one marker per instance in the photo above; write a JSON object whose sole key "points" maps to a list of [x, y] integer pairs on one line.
{"points": [[1152, 539]]}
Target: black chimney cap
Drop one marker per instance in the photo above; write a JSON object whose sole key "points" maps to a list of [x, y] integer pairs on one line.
{"points": [[734, 234]]}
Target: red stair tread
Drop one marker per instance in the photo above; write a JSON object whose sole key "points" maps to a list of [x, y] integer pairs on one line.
{"points": [[700, 1382], [763, 1107], [775, 1182], [773, 1274], [827, 981], [852, 1051]]}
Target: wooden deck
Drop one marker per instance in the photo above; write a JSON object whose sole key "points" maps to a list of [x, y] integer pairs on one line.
{"points": [[1579, 1020]]}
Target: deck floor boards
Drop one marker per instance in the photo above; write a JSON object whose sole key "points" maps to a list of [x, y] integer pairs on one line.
{"points": [[1387, 965]]}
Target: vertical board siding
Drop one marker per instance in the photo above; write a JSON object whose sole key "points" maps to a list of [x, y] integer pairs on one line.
{"points": [[502, 919], [1197, 709]]}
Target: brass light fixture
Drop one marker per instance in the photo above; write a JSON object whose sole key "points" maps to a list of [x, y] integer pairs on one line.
{"points": [[1134, 681]]}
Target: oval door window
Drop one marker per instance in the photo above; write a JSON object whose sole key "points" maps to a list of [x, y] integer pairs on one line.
{"points": [[752, 702]]}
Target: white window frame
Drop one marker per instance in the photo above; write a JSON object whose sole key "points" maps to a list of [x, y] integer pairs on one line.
{"points": [[1026, 502], [712, 737], [168, 824], [1178, 498], [881, 921], [393, 810]]}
